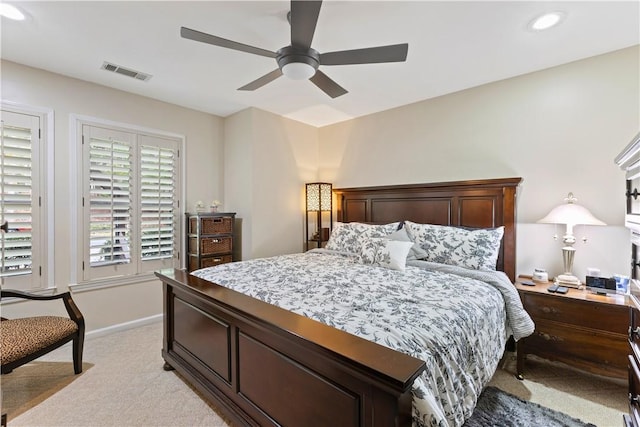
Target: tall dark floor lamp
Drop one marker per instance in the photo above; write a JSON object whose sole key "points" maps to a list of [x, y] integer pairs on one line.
{"points": [[318, 200]]}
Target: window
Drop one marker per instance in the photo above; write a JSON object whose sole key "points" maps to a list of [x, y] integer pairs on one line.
{"points": [[130, 202], [22, 247]]}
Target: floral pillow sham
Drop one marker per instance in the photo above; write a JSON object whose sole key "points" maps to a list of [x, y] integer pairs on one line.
{"points": [[384, 252], [469, 248], [348, 236]]}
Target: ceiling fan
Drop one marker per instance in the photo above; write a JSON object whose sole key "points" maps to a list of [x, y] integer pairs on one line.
{"points": [[299, 60]]}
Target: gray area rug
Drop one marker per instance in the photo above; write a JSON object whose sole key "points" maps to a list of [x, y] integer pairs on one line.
{"points": [[497, 408]]}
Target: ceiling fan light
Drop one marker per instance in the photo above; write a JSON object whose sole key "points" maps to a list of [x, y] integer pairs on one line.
{"points": [[298, 70], [546, 21], [11, 12]]}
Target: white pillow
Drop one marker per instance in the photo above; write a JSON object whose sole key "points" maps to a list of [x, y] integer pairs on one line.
{"points": [[348, 236], [416, 252], [476, 249], [385, 253]]}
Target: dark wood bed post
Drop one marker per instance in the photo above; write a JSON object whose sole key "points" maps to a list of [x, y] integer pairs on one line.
{"points": [[261, 365], [509, 239]]}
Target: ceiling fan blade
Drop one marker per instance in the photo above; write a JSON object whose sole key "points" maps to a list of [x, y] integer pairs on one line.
{"points": [[370, 55], [198, 36], [267, 78], [327, 85], [304, 17]]}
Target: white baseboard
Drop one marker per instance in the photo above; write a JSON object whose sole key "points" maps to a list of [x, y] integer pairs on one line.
{"points": [[124, 326]]}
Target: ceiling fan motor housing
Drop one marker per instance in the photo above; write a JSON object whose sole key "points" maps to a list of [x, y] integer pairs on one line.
{"points": [[291, 54]]}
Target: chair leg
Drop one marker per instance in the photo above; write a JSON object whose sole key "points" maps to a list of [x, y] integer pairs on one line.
{"points": [[78, 344]]}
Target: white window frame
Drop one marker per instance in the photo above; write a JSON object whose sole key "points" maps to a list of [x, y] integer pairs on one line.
{"points": [[78, 255], [43, 280]]}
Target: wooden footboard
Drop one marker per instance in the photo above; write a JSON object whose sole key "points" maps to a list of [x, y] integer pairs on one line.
{"points": [[262, 365]]}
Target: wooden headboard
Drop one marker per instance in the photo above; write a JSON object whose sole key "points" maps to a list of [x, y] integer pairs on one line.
{"points": [[478, 203]]}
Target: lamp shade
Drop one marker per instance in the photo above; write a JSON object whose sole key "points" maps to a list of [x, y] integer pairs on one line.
{"points": [[570, 213], [298, 70], [318, 196]]}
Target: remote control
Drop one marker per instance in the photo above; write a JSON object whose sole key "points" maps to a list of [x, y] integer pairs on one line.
{"points": [[562, 290], [527, 283], [552, 288]]}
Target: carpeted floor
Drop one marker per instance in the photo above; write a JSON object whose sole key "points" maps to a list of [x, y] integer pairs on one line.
{"points": [[34, 383], [123, 384], [591, 398]]}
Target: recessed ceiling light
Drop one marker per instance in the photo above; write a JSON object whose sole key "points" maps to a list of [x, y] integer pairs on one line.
{"points": [[546, 21], [11, 12]]}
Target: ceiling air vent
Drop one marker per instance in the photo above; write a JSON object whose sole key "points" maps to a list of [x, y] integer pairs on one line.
{"points": [[125, 71]]}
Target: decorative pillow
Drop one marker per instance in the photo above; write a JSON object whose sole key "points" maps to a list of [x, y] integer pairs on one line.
{"points": [[385, 253], [348, 236], [416, 252], [476, 248]]}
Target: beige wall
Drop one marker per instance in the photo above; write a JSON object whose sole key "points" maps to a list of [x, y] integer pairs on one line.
{"points": [[268, 158], [559, 129], [66, 96], [238, 173]]}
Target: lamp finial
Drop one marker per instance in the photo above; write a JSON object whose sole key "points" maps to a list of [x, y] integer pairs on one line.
{"points": [[570, 198]]}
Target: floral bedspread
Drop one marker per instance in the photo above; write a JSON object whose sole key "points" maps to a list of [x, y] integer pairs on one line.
{"points": [[457, 325]]}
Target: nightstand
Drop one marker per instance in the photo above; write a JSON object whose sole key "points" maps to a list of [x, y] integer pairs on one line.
{"points": [[579, 328]]}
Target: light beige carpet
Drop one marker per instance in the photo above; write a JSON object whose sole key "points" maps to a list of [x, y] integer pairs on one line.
{"points": [[591, 398], [126, 387], [123, 384], [35, 382]]}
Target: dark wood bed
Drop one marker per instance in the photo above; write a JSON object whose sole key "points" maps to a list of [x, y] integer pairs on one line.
{"points": [[262, 365]]}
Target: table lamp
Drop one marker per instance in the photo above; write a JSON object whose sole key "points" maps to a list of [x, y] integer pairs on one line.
{"points": [[569, 214]]}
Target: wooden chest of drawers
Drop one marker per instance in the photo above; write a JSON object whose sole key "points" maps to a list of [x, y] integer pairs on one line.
{"points": [[209, 239], [629, 161], [633, 418], [581, 329]]}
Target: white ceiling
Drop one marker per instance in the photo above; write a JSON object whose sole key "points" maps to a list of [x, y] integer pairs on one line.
{"points": [[453, 45]]}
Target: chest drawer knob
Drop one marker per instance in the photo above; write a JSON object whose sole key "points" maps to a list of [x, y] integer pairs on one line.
{"points": [[634, 333]]}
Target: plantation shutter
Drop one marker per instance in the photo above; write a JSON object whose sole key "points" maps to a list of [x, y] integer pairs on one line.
{"points": [[19, 200], [131, 210], [158, 202], [109, 200]]}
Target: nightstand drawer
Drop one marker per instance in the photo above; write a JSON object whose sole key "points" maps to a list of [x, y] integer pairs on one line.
{"points": [[579, 346], [634, 332], [583, 313], [634, 391]]}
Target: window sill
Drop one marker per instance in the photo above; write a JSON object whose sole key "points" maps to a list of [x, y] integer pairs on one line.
{"points": [[112, 282]]}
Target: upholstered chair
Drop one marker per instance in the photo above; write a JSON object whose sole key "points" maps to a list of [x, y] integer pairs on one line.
{"points": [[25, 339]]}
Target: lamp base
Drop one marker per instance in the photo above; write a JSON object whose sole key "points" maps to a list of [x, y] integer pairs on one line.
{"points": [[568, 280]]}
